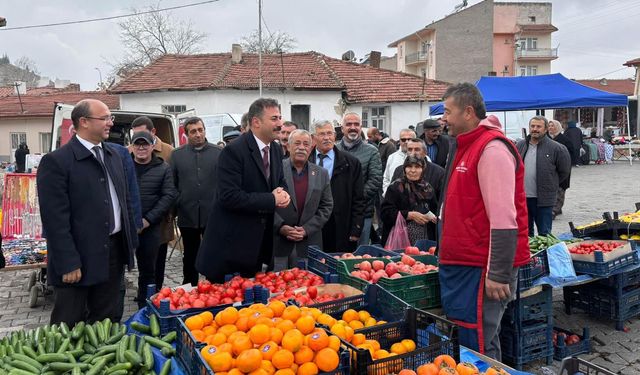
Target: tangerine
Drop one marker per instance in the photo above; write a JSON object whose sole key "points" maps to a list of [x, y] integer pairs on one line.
{"points": [[282, 359], [277, 307], [292, 340], [409, 344], [363, 315], [209, 330], [291, 313], [358, 339], [308, 368], [306, 324], [207, 317], [227, 316], [249, 360], [318, 340], [228, 329], [398, 348], [276, 335], [194, 323], [340, 331], [380, 354], [286, 371], [217, 339], [242, 323], [304, 355], [356, 324], [327, 360], [326, 319], [334, 343], [285, 325], [350, 315], [240, 344], [198, 335], [268, 349], [259, 334], [268, 367]]}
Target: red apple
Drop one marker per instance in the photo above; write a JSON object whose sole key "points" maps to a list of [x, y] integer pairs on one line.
{"points": [[378, 265], [365, 266]]}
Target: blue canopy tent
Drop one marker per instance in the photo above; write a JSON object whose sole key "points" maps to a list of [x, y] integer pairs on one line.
{"points": [[550, 91]]}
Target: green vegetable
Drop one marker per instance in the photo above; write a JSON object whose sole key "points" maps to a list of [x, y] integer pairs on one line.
{"points": [[91, 336], [78, 330], [28, 360], [133, 357], [165, 368], [142, 328], [154, 325], [97, 368], [170, 337], [147, 356], [157, 342], [118, 367], [52, 357]]}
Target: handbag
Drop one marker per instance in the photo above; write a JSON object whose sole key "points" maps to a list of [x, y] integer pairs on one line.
{"points": [[398, 237]]}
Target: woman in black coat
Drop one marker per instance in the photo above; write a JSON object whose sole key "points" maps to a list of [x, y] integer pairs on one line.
{"points": [[415, 199]]}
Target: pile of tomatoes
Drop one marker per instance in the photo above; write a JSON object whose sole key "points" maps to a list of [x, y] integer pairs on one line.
{"points": [[590, 248], [568, 339], [207, 294]]}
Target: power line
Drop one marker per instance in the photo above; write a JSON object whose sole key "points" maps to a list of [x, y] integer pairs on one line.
{"points": [[613, 71], [107, 18]]}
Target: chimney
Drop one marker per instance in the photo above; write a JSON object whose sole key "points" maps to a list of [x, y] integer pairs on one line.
{"points": [[374, 59], [20, 87], [236, 53]]}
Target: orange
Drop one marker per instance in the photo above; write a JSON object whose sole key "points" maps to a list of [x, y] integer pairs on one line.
{"points": [[304, 355], [253, 319], [327, 360], [228, 329], [356, 324], [407, 372], [226, 347], [232, 337], [242, 323], [292, 340], [241, 344], [294, 367], [277, 307], [259, 334], [227, 316], [374, 344], [409, 344], [266, 321], [315, 312], [358, 339], [348, 332], [370, 322], [308, 368], [259, 371], [249, 360], [398, 348], [209, 330], [282, 359], [194, 323], [363, 315], [234, 371], [326, 319], [217, 339], [268, 367], [198, 335], [370, 348], [380, 354], [318, 340], [266, 311], [285, 325], [340, 331], [245, 311], [286, 371], [268, 349], [217, 360], [334, 343], [276, 335], [291, 313], [350, 315], [306, 324], [207, 317]]}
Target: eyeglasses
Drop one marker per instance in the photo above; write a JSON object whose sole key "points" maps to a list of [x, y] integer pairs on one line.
{"points": [[104, 118], [405, 139], [141, 145]]}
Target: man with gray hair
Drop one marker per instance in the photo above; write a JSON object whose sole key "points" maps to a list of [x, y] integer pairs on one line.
{"points": [[547, 165], [371, 166], [397, 158], [299, 225]]}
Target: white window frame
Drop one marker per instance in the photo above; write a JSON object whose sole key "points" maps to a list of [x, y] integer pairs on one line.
{"points": [[369, 120], [173, 109], [45, 141]]}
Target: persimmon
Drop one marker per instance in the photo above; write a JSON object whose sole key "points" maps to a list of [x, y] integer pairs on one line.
{"points": [[445, 360], [407, 372], [448, 371], [466, 368], [428, 369], [495, 371]]}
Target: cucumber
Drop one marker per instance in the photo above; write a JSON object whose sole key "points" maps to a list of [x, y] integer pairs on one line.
{"points": [[17, 371], [120, 372], [88, 348], [65, 366], [25, 366], [115, 338], [154, 325], [158, 343], [166, 367], [28, 351], [141, 343], [133, 357], [85, 357], [71, 358], [170, 337], [64, 346], [76, 353], [24, 359], [119, 367], [79, 343], [76, 371], [168, 352], [107, 349], [106, 323], [142, 328], [91, 335], [52, 357], [97, 368], [107, 358], [122, 346], [132, 343], [78, 331], [64, 329], [147, 357], [40, 349], [100, 332]]}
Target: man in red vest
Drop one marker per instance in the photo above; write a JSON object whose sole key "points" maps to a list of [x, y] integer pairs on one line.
{"points": [[484, 221]]}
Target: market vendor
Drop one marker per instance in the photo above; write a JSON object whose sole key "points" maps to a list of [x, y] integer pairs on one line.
{"points": [[484, 221]]}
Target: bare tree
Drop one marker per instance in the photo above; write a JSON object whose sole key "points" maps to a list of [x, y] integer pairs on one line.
{"points": [[277, 42], [149, 36]]}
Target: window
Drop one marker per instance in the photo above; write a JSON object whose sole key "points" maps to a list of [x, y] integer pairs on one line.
{"points": [[173, 108], [528, 43], [532, 19], [365, 118], [45, 142], [528, 70], [378, 118], [16, 139]]}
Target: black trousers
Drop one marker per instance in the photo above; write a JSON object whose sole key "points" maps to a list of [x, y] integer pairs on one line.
{"points": [[191, 238], [146, 256], [161, 262], [96, 302]]}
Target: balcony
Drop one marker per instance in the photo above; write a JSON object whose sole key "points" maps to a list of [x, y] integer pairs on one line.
{"points": [[537, 54], [416, 58]]}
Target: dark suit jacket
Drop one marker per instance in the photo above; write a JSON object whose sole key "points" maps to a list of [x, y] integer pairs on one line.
{"points": [[318, 205], [347, 190], [563, 140], [239, 234], [72, 191]]}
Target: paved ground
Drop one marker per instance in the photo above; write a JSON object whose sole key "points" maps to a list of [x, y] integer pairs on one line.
{"points": [[594, 189]]}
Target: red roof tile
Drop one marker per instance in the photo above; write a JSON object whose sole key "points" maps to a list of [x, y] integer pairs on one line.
{"points": [[10, 90], [42, 105], [302, 71], [634, 62], [616, 86]]}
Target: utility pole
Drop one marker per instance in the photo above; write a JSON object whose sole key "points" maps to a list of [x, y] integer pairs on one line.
{"points": [[260, 47]]}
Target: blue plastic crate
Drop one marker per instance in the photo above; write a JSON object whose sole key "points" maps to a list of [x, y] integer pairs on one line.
{"points": [[537, 267], [561, 350], [571, 366], [622, 280], [529, 310], [604, 302], [525, 344], [604, 269]]}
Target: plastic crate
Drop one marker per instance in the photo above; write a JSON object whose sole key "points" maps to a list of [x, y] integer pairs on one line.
{"points": [[604, 269], [381, 304], [526, 344], [622, 280], [422, 245], [605, 302], [537, 267], [607, 230], [168, 318], [420, 291], [572, 366], [433, 336], [198, 366], [529, 310], [561, 350], [321, 262]]}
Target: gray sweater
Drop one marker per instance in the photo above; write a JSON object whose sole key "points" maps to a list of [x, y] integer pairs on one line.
{"points": [[369, 158], [553, 166]]}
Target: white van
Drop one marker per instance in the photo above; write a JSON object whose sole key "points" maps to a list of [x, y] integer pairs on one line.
{"points": [[216, 126]]}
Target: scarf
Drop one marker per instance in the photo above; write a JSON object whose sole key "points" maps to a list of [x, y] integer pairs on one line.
{"points": [[348, 145], [419, 192]]}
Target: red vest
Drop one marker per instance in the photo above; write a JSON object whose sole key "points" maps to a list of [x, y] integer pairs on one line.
{"points": [[466, 229]]}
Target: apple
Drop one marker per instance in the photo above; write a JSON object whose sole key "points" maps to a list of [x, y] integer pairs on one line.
{"points": [[391, 269], [406, 259], [365, 266], [378, 265]]}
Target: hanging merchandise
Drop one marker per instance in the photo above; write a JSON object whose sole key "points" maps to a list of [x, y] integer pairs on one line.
{"points": [[21, 211]]}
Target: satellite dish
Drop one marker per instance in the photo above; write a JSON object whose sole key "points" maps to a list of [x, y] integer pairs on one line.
{"points": [[348, 56], [461, 5]]}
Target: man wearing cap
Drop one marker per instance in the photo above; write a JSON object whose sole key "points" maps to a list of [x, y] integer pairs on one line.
{"points": [[157, 194], [397, 158], [162, 150], [386, 146], [437, 144], [230, 136]]}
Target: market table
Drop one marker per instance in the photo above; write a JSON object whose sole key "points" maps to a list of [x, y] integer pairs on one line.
{"points": [[619, 151]]}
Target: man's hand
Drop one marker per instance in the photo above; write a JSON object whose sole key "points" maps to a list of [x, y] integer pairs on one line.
{"points": [[72, 277], [286, 230], [496, 290], [282, 197], [297, 234], [145, 224], [354, 238]]}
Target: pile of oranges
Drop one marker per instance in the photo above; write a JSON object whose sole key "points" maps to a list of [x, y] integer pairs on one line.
{"points": [[446, 365], [272, 339]]}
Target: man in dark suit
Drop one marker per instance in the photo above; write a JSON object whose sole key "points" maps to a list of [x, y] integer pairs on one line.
{"points": [[344, 227], [250, 187], [300, 224], [86, 215]]}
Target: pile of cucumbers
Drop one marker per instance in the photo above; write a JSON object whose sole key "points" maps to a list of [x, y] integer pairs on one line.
{"points": [[539, 243], [101, 348]]}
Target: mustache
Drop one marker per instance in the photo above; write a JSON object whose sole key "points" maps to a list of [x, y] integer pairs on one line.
{"points": [[277, 128]]}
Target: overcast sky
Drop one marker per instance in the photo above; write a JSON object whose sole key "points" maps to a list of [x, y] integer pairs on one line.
{"points": [[595, 37]]}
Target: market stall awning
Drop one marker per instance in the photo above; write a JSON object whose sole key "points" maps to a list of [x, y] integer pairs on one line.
{"points": [[548, 91]]}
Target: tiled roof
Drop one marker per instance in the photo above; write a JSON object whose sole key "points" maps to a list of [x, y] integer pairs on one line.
{"points": [[634, 62], [42, 105], [301, 71], [616, 86], [10, 90], [538, 28]]}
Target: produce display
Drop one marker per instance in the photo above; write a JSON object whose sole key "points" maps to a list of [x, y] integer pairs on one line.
{"points": [[24, 251], [91, 349], [309, 296], [592, 224], [209, 295], [630, 218], [539, 243], [273, 337], [591, 247], [446, 365], [375, 270], [568, 339], [633, 237]]}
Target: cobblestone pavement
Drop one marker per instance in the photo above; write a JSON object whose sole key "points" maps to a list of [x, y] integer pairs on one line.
{"points": [[594, 189]]}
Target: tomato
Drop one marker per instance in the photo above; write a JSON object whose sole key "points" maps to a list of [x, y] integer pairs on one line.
{"points": [[204, 286], [247, 284], [313, 292], [165, 292], [288, 276], [227, 300], [198, 303], [180, 291], [230, 292]]}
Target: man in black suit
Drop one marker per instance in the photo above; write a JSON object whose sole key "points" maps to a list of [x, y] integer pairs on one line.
{"points": [[344, 227], [86, 215], [250, 187]]}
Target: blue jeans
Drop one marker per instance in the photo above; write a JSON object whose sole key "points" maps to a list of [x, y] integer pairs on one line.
{"points": [[366, 231], [541, 216]]}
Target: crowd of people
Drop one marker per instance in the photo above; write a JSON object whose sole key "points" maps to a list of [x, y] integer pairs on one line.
{"points": [[273, 190]]}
